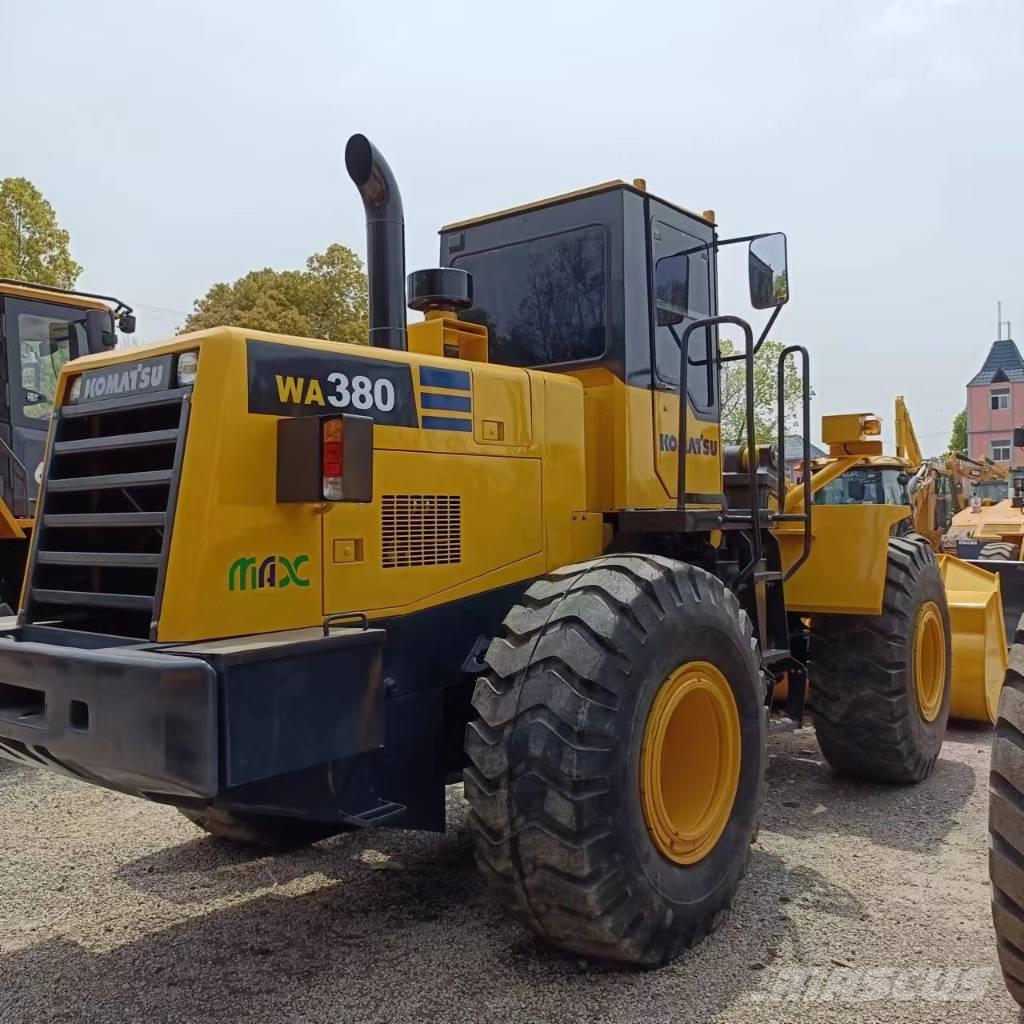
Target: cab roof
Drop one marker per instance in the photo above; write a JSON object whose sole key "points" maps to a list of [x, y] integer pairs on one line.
{"points": [[607, 186], [58, 296]]}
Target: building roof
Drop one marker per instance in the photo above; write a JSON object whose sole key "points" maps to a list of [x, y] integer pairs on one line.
{"points": [[1003, 363], [795, 448]]}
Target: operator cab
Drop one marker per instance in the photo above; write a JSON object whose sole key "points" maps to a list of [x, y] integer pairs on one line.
{"points": [[603, 284], [988, 492], [42, 328]]}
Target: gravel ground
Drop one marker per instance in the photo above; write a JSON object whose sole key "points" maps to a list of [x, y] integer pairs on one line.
{"points": [[112, 909]]}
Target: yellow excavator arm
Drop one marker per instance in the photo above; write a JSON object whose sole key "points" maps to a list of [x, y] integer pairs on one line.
{"points": [[907, 446]]}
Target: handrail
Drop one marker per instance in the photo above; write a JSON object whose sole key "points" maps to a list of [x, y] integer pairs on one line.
{"points": [[805, 409], [684, 360], [21, 511]]}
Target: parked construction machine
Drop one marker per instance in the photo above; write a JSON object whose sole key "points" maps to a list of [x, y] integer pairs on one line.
{"points": [[292, 587], [939, 487], [41, 328]]}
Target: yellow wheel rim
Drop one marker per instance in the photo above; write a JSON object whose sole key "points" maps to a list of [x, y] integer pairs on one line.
{"points": [[690, 762], [929, 661]]}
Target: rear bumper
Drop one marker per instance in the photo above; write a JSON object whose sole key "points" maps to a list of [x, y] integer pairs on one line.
{"points": [[188, 723]]}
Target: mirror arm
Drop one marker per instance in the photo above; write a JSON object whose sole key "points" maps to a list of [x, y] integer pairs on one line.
{"points": [[767, 327], [736, 357]]}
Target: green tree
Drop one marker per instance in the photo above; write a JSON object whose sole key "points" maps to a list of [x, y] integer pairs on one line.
{"points": [[958, 440], [734, 402], [326, 300], [33, 246]]}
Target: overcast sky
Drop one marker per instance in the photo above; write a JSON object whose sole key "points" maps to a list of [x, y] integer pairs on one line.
{"points": [[187, 143]]}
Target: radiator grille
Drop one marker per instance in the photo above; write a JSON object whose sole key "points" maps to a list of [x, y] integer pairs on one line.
{"points": [[420, 529], [104, 516]]}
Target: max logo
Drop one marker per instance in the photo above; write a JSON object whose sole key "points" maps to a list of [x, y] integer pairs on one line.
{"points": [[273, 571]]}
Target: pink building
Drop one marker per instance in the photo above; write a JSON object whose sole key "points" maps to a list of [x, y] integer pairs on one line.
{"points": [[995, 405]]}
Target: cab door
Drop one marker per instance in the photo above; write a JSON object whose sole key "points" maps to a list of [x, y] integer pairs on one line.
{"points": [[39, 338], [682, 258]]}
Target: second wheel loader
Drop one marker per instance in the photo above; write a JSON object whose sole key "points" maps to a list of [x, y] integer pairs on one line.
{"points": [[293, 587]]}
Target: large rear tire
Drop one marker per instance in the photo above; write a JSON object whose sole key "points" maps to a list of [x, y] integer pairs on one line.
{"points": [[264, 831], [617, 757], [1006, 823], [881, 684]]}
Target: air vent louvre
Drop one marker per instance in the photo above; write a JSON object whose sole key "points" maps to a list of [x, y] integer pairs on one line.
{"points": [[420, 529]]}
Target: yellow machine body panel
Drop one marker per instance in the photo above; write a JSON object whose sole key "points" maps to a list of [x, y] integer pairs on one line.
{"points": [[845, 572], [455, 510], [996, 522], [979, 639], [632, 447]]}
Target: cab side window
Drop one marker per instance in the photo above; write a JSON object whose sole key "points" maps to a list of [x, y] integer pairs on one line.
{"points": [[687, 257]]}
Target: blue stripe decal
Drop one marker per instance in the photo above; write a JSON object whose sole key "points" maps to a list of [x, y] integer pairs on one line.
{"points": [[453, 403], [432, 377], [440, 423]]}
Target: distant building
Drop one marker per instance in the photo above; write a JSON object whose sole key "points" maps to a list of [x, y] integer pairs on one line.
{"points": [[794, 456], [995, 405]]}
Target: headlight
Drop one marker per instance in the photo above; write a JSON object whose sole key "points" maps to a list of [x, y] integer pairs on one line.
{"points": [[76, 390], [188, 366]]}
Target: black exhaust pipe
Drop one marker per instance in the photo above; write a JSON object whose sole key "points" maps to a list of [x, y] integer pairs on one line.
{"points": [[385, 241]]}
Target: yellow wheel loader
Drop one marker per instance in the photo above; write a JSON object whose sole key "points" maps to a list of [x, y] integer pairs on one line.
{"points": [[41, 328], [292, 587]]}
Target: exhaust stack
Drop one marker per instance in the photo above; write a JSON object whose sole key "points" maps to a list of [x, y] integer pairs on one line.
{"points": [[385, 241]]}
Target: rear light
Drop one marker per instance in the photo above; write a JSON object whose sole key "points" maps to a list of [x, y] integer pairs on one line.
{"points": [[332, 458], [325, 458], [76, 390]]}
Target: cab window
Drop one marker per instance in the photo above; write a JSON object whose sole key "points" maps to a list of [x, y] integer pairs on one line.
{"points": [[683, 268], [544, 301], [45, 344], [866, 486]]}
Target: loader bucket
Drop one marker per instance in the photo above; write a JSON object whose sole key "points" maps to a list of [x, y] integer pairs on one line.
{"points": [[1011, 588], [979, 638]]}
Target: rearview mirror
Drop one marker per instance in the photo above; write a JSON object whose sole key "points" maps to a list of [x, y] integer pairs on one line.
{"points": [[769, 276], [99, 330], [126, 323], [671, 288]]}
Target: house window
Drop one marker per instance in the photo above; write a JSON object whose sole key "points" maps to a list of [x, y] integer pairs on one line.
{"points": [[1001, 398], [1000, 451]]}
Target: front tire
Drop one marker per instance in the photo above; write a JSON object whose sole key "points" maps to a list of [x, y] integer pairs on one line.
{"points": [[1006, 823], [617, 757], [881, 684]]}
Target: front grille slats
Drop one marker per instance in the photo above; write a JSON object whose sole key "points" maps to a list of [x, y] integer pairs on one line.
{"points": [[105, 511], [111, 558], [116, 441], [147, 401], [109, 480], [125, 519], [138, 602]]}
